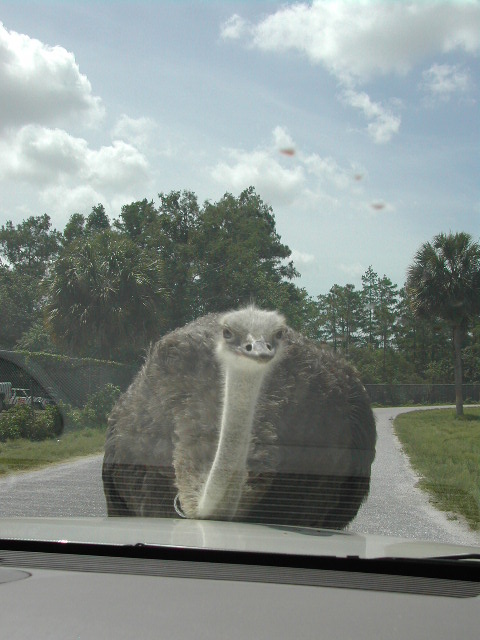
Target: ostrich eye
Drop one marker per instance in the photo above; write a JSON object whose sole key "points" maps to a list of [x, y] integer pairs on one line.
{"points": [[227, 334], [279, 334]]}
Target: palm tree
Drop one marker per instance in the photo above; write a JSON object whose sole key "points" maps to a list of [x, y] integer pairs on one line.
{"points": [[105, 296], [444, 282]]}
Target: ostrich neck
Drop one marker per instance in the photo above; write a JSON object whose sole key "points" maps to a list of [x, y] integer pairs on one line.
{"points": [[223, 488]]}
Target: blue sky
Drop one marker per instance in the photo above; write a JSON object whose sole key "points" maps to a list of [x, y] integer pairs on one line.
{"points": [[357, 121]]}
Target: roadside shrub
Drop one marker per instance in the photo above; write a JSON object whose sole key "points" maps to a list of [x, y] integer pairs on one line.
{"points": [[57, 419], [75, 418], [14, 422], [95, 412], [47, 424], [18, 422], [100, 404], [8, 430]]}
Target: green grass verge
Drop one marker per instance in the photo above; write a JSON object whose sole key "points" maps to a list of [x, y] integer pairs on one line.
{"points": [[445, 451], [24, 455]]}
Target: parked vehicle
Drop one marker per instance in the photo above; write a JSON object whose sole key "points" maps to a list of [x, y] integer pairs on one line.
{"points": [[6, 392], [19, 397], [5, 395], [40, 403]]}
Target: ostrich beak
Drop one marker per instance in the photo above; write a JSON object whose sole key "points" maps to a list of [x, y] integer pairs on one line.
{"points": [[259, 350]]}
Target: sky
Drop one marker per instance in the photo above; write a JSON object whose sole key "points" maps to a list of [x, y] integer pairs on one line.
{"points": [[357, 121]]}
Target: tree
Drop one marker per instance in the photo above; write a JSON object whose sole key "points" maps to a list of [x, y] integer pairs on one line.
{"points": [[444, 282], [385, 316], [97, 220], [339, 310], [239, 255], [36, 338], [328, 314], [80, 226], [19, 305], [424, 344], [74, 229], [30, 246], [217, 256], [370, 297], [172, 236], [106, 297], [136, 220], [26, 252]]}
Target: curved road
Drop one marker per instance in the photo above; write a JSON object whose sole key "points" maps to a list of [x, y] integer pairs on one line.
{"points": [[394, 507]]}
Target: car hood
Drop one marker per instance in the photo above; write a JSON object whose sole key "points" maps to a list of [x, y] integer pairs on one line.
{"points": [[224, 536]]}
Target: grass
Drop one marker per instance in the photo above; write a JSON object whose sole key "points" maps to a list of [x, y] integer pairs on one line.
{"points": [[24, 455], [445, 452]]}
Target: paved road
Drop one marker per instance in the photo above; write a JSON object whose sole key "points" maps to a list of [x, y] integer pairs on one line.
{"points": [[394, 507], [65, 490]]}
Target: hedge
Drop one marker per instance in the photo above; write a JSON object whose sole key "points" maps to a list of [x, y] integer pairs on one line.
{"points": [[19, 422]]}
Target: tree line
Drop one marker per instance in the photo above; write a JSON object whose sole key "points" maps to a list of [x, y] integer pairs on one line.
{"points": [[107, 288]]}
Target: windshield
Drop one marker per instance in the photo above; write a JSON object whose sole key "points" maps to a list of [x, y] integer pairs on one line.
{"points": [[240, 268]]}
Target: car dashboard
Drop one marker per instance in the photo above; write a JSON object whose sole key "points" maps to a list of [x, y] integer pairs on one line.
{"points": [[74, 589]]}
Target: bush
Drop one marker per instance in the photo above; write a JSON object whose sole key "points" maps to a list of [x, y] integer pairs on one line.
{"points": [[100, 404], [75, 417], [14, 422], [95, 412], [57, 419], [18, 422], [47, 424]]}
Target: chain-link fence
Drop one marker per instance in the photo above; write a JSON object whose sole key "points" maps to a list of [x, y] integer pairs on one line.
{"points": [[69, 380], [400, 394]]}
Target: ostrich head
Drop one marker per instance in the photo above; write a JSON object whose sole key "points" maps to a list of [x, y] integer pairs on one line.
{"points": [[251, 339]]}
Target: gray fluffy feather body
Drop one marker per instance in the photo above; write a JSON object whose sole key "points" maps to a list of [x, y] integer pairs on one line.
{"points": [[312, 444]]}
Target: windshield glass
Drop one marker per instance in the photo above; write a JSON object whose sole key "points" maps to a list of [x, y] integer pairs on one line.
{"points": [[240, 268]]}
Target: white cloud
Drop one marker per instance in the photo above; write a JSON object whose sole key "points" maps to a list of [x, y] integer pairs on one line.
{"points": [[358, 40], [67, 171], [235, 27], [137, 131], [42, 94], [317, 184], [327, 171], [67, 199], [42, 84], [264, 167], [443, 80], [300, 258], [276, 183], [384, 124], [37, 154], [353, 271], [282, 139], [116, 165]]}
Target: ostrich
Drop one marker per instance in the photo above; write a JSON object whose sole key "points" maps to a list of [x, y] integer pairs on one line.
{"points": [[236, 416]]}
